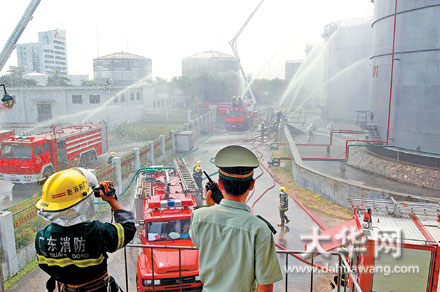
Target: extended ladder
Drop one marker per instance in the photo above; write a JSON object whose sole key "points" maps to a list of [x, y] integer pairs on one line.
{"points": [[188, 183], [431, 209]]}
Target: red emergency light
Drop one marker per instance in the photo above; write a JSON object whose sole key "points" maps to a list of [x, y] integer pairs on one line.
{"points": [[165, 204]]}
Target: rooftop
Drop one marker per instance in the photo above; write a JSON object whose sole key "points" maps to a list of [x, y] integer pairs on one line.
{"points": [[121, 55], [211, 54]]}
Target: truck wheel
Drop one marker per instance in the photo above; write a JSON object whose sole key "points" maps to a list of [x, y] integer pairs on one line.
{"points": [[48, 171], [92, 158], [83, 161]]}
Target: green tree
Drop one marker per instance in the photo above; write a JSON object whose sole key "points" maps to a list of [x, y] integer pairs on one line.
{"points": [[57, 79], [89, 83], [209, 88], [15, 78], [268, 91]]}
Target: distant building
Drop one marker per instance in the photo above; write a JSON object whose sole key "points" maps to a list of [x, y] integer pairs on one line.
{"points": [[210, 62], [46, 56], [122, 69], [291, 67], [45, 106]]}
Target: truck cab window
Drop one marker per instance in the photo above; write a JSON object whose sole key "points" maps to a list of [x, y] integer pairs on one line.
{"points": [[38, 150]]}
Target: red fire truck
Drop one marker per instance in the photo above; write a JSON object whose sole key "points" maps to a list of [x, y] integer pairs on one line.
{"points": [[166, 216], [389, 245], [6, 134], [26, 159], [239, 118]]}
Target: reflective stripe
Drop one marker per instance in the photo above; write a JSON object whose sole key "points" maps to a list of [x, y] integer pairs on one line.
{"points": [[121, 235], [66, 261]]}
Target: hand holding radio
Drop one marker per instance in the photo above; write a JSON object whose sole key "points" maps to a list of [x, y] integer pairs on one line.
{"points": [[216, 194]]}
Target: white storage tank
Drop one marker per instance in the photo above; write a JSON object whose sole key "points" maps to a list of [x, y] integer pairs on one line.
{"points": [[184, 141]]}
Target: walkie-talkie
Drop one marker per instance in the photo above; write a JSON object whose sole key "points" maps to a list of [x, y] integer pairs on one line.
{"points": [[216, 194]]}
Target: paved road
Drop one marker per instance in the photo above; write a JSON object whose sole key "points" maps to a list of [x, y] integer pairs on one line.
{"points": [[266, 207]]}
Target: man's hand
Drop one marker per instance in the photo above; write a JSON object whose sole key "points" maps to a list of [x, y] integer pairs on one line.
{"points": [[110, 199], [209, 199], [265, 288]]}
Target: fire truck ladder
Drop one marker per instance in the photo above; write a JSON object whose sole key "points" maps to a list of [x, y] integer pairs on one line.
{"points": [[429, 209], [188, 183]]}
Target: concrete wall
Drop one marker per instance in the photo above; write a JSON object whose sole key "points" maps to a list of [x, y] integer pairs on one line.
{"points": [[332, 188]]}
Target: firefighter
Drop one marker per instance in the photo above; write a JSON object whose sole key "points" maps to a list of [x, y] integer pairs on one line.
{"points": [[262, 131], [342, 287], [196, 165], [110, 158], [198, 177], [72, 249], [284, 206]]}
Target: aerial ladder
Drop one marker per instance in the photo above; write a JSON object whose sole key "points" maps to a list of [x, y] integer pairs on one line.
{"points": [[233, 44], [12, 41]]}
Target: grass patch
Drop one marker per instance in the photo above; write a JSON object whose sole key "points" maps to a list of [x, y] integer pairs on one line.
{"points": [[29, 267], [309, 199], [142, 132]]}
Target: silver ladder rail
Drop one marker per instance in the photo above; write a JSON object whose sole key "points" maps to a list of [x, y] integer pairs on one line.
{"points": [[397, 207], [188, 183]]}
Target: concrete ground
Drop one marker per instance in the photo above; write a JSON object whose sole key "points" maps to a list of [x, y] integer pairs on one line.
{"points": [[267, 207]]}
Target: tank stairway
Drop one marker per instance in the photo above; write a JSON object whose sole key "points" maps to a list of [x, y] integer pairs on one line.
{"points": [[188, 183]]}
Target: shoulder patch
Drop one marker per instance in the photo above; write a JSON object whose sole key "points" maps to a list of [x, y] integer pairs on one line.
{"points": [[272, 229]]}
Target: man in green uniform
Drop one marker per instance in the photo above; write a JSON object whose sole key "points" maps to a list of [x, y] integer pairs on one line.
{"points": [[236, 249], [284, 206], [72, 249]]}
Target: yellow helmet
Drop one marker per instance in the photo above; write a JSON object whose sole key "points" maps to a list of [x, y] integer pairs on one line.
{"points": [[197, 168], [65, 189], [198, 163], [283, 189], [112, 153]]}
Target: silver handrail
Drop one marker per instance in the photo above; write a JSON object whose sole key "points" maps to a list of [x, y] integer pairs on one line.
{"points": [[343, 264]]}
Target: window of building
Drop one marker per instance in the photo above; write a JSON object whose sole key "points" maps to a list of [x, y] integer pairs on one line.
{"points": [[138, 95], [77, 99], [48, 56], [58, 47], [94, 98], [115, 100], [132, 96], [123, 97], [58, 42], [154, 104]]}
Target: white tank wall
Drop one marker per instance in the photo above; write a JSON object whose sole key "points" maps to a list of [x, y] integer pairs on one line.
{"points": [[348, 71], [416, 90]]}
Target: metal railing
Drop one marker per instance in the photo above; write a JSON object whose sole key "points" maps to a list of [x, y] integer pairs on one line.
{"points": [[342, 266]]}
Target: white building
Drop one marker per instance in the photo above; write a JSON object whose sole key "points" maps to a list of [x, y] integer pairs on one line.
{"points": [[44, 106], [47, 55]]}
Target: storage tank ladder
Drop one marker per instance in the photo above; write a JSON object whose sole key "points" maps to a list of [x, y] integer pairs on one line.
{"points": [[188, 183]]}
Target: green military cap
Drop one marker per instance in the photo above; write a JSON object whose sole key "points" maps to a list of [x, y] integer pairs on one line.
{"points": [[236, 163], [236, 156]]}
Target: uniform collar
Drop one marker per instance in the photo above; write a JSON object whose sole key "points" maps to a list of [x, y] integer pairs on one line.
{"points": [[235, 205]]}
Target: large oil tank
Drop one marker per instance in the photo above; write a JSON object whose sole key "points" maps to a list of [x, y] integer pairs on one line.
{"points": [[415, 106], [347, 74], [210, 62]]}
